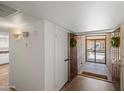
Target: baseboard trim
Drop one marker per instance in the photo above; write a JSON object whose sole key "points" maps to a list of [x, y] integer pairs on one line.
{"points": [[4, 64], [13, 88], [64, 86]]}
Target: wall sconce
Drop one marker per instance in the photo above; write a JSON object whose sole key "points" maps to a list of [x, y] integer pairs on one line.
{"points": [[17, 34]]}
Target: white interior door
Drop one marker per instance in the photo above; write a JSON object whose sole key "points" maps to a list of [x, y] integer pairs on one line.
{"points": [[61, 53]]}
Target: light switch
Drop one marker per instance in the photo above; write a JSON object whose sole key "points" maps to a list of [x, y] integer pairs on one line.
{"points": [[35, 33], [25, 34], [26, 44]]}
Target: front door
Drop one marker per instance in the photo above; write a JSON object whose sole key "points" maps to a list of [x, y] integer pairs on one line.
{"points": [[61, 56], [73, 59], [96, 50]]}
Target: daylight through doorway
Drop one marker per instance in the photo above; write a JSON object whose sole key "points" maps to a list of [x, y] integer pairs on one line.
{"points": [[96, 49]]}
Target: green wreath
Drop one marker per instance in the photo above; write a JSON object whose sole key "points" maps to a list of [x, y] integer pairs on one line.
{"points": [[73, 42], [115, 42]]}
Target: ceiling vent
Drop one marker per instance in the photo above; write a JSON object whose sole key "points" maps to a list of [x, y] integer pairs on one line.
{"points": [[6, 10]]}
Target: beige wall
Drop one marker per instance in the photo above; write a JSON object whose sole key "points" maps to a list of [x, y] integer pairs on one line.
{"points": [[122, 88], [123, 62], [80, 51], [108, 52]]}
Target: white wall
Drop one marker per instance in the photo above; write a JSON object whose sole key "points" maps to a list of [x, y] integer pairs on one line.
{"points": [[26, 58], [32, 59], [49, 51], [49, 54]]}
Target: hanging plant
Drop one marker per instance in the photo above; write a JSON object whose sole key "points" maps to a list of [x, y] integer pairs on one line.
{"points": [[73, 42], [115, 42]]}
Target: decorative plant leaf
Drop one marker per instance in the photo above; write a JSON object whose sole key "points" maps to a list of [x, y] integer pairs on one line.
{"points": [[73, 42], [115, 42]]}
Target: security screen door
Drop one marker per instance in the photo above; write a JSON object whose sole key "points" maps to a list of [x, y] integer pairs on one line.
{"points": [[96, 49]]}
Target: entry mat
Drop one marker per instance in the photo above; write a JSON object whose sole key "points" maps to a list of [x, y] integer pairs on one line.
{"points": [[94, 75]]}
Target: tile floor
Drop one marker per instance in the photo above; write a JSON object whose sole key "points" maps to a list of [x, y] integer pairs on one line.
{"points": [[96, 68]]}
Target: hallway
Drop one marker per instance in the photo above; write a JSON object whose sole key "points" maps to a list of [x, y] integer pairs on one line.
{"points": [[81, 83], [51, 43]]}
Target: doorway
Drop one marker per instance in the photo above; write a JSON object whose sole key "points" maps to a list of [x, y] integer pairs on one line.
{"points": [[96, 49], [4, 57]]}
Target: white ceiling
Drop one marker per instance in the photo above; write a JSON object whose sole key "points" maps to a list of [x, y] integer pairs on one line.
{"points": [[77, 16]]}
